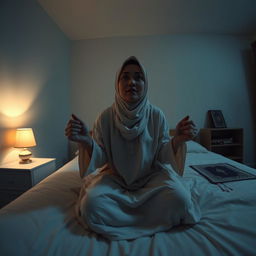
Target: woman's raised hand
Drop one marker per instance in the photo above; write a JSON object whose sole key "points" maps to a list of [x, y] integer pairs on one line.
{"points": [[76, 130], [185, 130]]}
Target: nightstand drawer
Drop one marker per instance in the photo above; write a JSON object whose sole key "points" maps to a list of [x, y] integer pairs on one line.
{"points": [[15, 180], [7, 196]]}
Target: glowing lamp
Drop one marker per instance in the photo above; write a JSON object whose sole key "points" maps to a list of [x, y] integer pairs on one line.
{"points": [[25, 139]]}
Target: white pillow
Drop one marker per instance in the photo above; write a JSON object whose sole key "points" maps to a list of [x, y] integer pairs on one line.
{"points": [[194, 147]]}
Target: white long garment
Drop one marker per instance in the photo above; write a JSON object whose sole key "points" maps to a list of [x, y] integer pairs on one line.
{"points": [[141, 155], [142, 180]]}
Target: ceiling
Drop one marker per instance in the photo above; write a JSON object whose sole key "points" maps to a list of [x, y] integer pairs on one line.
{"points": [[86, 19]]}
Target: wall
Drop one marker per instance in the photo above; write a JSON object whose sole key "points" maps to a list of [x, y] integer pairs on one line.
{"points": [[188, 74], [34, 80]]}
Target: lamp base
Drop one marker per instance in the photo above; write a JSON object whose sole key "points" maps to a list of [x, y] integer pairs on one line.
{"points": [[28, 161], [24, 156]]}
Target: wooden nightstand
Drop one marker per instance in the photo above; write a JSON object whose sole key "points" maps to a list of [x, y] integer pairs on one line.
{"points": [[17, 178], [225, 141]]}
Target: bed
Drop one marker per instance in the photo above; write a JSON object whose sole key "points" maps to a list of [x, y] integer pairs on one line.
{"points": [[42, 220]]}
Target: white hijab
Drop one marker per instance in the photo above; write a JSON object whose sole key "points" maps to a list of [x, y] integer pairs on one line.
{"points": [[131, 119]]}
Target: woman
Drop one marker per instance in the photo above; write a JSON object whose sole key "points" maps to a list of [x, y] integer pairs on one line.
{"points": [[135, 188]]}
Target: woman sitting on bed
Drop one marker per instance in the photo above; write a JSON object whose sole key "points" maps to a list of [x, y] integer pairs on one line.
{"points": [[135, 186]]}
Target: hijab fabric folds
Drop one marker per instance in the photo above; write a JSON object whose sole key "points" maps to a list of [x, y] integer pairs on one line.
{"points": [[131, 119]]}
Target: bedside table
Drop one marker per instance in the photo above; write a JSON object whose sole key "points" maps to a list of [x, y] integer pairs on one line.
{"points": [[16, 178], [225, 141]]}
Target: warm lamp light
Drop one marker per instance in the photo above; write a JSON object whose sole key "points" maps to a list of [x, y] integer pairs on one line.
{"points": [[25, 139]]}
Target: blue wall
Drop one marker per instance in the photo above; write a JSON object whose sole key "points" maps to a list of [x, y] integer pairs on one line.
{"points": [[188, 75], [34, 79]]}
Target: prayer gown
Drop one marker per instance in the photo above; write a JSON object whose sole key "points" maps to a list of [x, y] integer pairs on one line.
{"points": [[133, 188]]}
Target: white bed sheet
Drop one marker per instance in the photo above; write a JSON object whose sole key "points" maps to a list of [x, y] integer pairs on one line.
{"points": [[42, 221]]}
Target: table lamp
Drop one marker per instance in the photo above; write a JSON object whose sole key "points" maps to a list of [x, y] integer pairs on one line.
{"points": [[25, 139]]}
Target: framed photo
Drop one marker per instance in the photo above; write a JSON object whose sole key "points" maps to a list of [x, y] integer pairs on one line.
{"points": [[217, 119]]}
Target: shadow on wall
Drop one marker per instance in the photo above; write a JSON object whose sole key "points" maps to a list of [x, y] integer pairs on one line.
{"points": [[249, 60]]}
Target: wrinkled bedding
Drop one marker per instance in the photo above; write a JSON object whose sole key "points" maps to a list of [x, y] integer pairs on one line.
{"points": [[42, 221]]}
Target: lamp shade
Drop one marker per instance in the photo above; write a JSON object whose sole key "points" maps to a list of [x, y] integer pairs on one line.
{"points": [[25, 138]]}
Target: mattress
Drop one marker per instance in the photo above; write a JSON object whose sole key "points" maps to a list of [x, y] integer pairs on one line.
{"points": [[42, 220]]}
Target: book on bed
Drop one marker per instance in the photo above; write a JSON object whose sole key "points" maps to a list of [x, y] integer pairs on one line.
{"points": [[222, 172]]}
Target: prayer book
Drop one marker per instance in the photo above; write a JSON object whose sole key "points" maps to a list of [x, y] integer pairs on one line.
{"points": [[222, 172]]}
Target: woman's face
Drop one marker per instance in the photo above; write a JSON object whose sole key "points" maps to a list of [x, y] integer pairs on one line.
{"points": [[131, 84]]}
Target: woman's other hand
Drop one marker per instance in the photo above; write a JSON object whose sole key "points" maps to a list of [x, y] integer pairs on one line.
{"points": [[185, 131], [76, 130]]}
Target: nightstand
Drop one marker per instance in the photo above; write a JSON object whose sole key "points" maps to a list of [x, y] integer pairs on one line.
{"points": [[225, 141], [16, 178]]}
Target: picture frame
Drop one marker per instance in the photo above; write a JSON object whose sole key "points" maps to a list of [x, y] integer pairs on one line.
{"points": [[217, 119]]}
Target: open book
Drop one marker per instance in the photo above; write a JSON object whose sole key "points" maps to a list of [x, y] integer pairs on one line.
{"points": [[222, 172]]}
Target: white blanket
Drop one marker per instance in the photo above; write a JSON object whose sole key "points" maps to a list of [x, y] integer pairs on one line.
{"points": [[42, 222]]}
